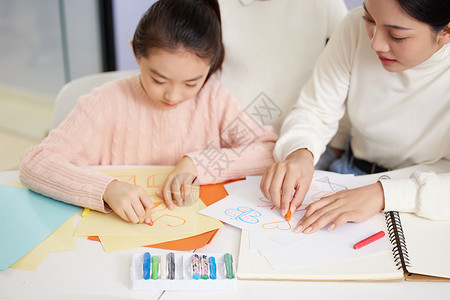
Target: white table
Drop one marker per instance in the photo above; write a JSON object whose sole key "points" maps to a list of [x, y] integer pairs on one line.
{"points": [[90, 273]]}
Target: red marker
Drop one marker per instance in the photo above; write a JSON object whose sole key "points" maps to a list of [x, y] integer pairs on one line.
{"points": [[369, 240]]}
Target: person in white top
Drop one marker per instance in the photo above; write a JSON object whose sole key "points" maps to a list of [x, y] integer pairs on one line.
{"points": [[271, 48], [388, 66]]}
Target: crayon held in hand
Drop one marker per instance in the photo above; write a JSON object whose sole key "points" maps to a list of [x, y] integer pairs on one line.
{"points": [[288, 215]]}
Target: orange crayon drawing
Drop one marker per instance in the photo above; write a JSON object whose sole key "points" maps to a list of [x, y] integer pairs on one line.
{"points": [[302, 207], [280, 225], [320, 195], [156, 180], [128, 179], [268, 202], [179, 219]]}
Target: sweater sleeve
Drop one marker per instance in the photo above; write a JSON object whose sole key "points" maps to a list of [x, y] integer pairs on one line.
{"points": [[245, 146], [314, 118], [56, 167], [425, 193]]}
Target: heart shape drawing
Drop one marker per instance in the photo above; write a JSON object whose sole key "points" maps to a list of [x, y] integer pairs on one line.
{"points": [[171, 221], [245, 214], [280, 225]]}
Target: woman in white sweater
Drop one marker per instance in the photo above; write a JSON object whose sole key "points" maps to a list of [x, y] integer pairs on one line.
{"points": [[388, 65]]}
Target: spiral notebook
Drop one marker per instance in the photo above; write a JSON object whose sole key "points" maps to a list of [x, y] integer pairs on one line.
{"points": [[420, 252], [421, 247]]}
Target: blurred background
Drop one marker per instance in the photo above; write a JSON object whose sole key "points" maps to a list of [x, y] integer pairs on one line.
{"points": [[46, 43]]}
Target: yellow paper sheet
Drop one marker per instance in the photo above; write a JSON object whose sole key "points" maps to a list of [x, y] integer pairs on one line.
{"points": [[181, 220], [61, 239], [117, 243]]}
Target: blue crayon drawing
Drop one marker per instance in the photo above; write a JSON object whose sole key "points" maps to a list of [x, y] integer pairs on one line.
{"points": [[245, 214]]}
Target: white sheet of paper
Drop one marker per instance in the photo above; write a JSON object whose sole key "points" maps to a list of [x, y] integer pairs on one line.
{"points": [[248, 209], [317, 251]]}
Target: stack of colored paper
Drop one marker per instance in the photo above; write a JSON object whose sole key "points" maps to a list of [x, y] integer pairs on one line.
{"points": [[168, 225], [27, 220]]}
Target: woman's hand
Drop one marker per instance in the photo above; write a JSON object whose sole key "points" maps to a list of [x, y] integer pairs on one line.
{"points": [[353, 205], [177, 187], [286, 183], [130, 202]]}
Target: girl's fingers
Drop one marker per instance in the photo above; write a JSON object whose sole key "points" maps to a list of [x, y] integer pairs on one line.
{"points": [[131, 214], [175, 191], [138, 209], [166, 193], [121, 213], [147, 204]]}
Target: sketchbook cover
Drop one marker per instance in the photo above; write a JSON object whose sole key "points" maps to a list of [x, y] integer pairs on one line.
{"points": [[428, 246]]}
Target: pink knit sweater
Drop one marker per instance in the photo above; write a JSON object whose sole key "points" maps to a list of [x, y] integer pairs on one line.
{"points": [[117, 124]]}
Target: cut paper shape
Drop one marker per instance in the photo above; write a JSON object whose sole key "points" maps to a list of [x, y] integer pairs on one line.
{"points": [[26, 219]]}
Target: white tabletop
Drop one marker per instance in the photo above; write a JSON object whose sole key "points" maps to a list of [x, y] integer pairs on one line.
{"points": [[90, 273]]}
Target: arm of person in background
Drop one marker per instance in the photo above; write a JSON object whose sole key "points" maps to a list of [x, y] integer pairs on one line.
{"points": [[425, 193], [57, 167], [312, 122]]}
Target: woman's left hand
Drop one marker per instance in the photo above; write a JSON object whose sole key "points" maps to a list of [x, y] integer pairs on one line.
{"points": [[177, 187], [353, 205]]}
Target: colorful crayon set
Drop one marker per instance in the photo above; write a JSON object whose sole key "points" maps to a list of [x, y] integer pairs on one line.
{"points": [[183, 271]]}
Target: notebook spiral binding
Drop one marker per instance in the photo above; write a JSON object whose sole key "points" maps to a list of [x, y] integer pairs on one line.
{"points": [[397, 239]]}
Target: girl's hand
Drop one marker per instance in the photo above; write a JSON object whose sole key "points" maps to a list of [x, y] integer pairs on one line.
{"points": [[283, 178], [177, 187], [130, 202], [353, 205]]}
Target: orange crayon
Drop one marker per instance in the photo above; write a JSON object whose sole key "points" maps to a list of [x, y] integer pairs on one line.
{"points": [[288, 215]]}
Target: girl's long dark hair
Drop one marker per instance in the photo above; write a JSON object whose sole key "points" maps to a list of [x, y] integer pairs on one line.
{"points": [[192, 25]]}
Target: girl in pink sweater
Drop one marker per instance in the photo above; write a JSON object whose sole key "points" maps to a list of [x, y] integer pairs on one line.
{"points": [[174, 113]]}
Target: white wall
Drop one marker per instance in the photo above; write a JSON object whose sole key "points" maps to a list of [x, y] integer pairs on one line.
{"points": [[84, 39], [351, 4], [126, 17]]}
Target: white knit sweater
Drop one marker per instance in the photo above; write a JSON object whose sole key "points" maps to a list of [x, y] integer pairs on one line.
{"points": [[397, 119]]}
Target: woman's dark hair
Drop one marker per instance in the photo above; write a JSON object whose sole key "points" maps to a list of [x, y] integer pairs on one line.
{"points": [[193, 25], [435, 13]]}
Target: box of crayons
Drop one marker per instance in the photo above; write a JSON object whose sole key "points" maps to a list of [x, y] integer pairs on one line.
{"points": [[183, 271]]}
